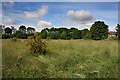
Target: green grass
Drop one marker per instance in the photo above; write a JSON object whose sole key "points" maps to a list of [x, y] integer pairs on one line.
{"points": [[65, 59]]}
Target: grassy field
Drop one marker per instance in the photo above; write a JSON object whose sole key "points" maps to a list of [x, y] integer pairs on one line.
{"points": [[65, 59]]}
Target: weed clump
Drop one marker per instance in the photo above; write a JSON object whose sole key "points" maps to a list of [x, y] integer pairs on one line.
{"points": [[38, 46], [14, 39]]}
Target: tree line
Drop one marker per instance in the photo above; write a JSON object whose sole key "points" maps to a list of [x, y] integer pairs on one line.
{"points": [[22, 32], [99, 30]]}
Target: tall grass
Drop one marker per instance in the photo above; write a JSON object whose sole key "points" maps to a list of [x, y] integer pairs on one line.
{"points": [[65, 59]]}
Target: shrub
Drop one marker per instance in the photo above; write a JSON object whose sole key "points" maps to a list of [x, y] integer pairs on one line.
{"points": [[38, 46], [12, 35], [21, 35], [29, 37], [4, 36], [48, 38], [87, 36], [14, 39], [113, 38]]}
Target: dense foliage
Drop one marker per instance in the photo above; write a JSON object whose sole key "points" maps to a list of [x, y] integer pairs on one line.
{"points": [[118, 31], [38, 46], [8, 30], [22, 29], [61, 33], [99, 30], [22, 33], [30, 31]]}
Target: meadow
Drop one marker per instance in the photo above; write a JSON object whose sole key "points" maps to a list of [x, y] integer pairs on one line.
{"points": [[64, 59]]}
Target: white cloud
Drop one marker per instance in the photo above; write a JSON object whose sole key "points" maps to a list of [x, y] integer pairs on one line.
{"points": [[43, 24], [37, 14], [83, 26], [7, 21], [8, 4], [80, 16]]}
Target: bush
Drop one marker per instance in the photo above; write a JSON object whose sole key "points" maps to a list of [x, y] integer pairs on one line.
{"points": [[38, 46], [29, 37], [12, 35], [113, 38], [4, 36], [21, 35], [87, 36], [14, 39]]}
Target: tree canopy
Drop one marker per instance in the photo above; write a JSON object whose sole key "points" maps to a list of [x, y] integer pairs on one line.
{"points": [[22, 29], [30, 30], [99, 30], [8, 30], [118, 30]]}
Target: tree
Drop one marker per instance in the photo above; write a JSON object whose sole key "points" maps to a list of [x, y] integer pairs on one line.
{"points": [[8, 31], [22, 29], [13, 29], [86, 34], [43, 34], [12, 35], [21, 35], [99, 30], [118, 31], [4, 36], [36, 33], [52, 36], [30, 30], [76, 34], [72, 29], [63, 35], [2, 28], [47, 30]]}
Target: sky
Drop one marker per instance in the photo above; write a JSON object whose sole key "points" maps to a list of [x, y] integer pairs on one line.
{"points": [[61, 0], [42, 15]]}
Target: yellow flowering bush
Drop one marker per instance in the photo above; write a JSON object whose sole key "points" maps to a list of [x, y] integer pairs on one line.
{"points": [[38, 46]]}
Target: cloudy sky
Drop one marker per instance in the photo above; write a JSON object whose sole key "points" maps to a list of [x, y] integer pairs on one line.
{"points": [[59, 14]]}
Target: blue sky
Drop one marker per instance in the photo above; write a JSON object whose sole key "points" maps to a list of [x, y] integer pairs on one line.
{"points": [[59, 14]]}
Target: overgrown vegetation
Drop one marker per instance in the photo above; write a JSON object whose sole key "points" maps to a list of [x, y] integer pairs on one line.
{"points": [[98, 31], [14, 39], [38, 46], [65, 59], [118, 31], [21, 33]]}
